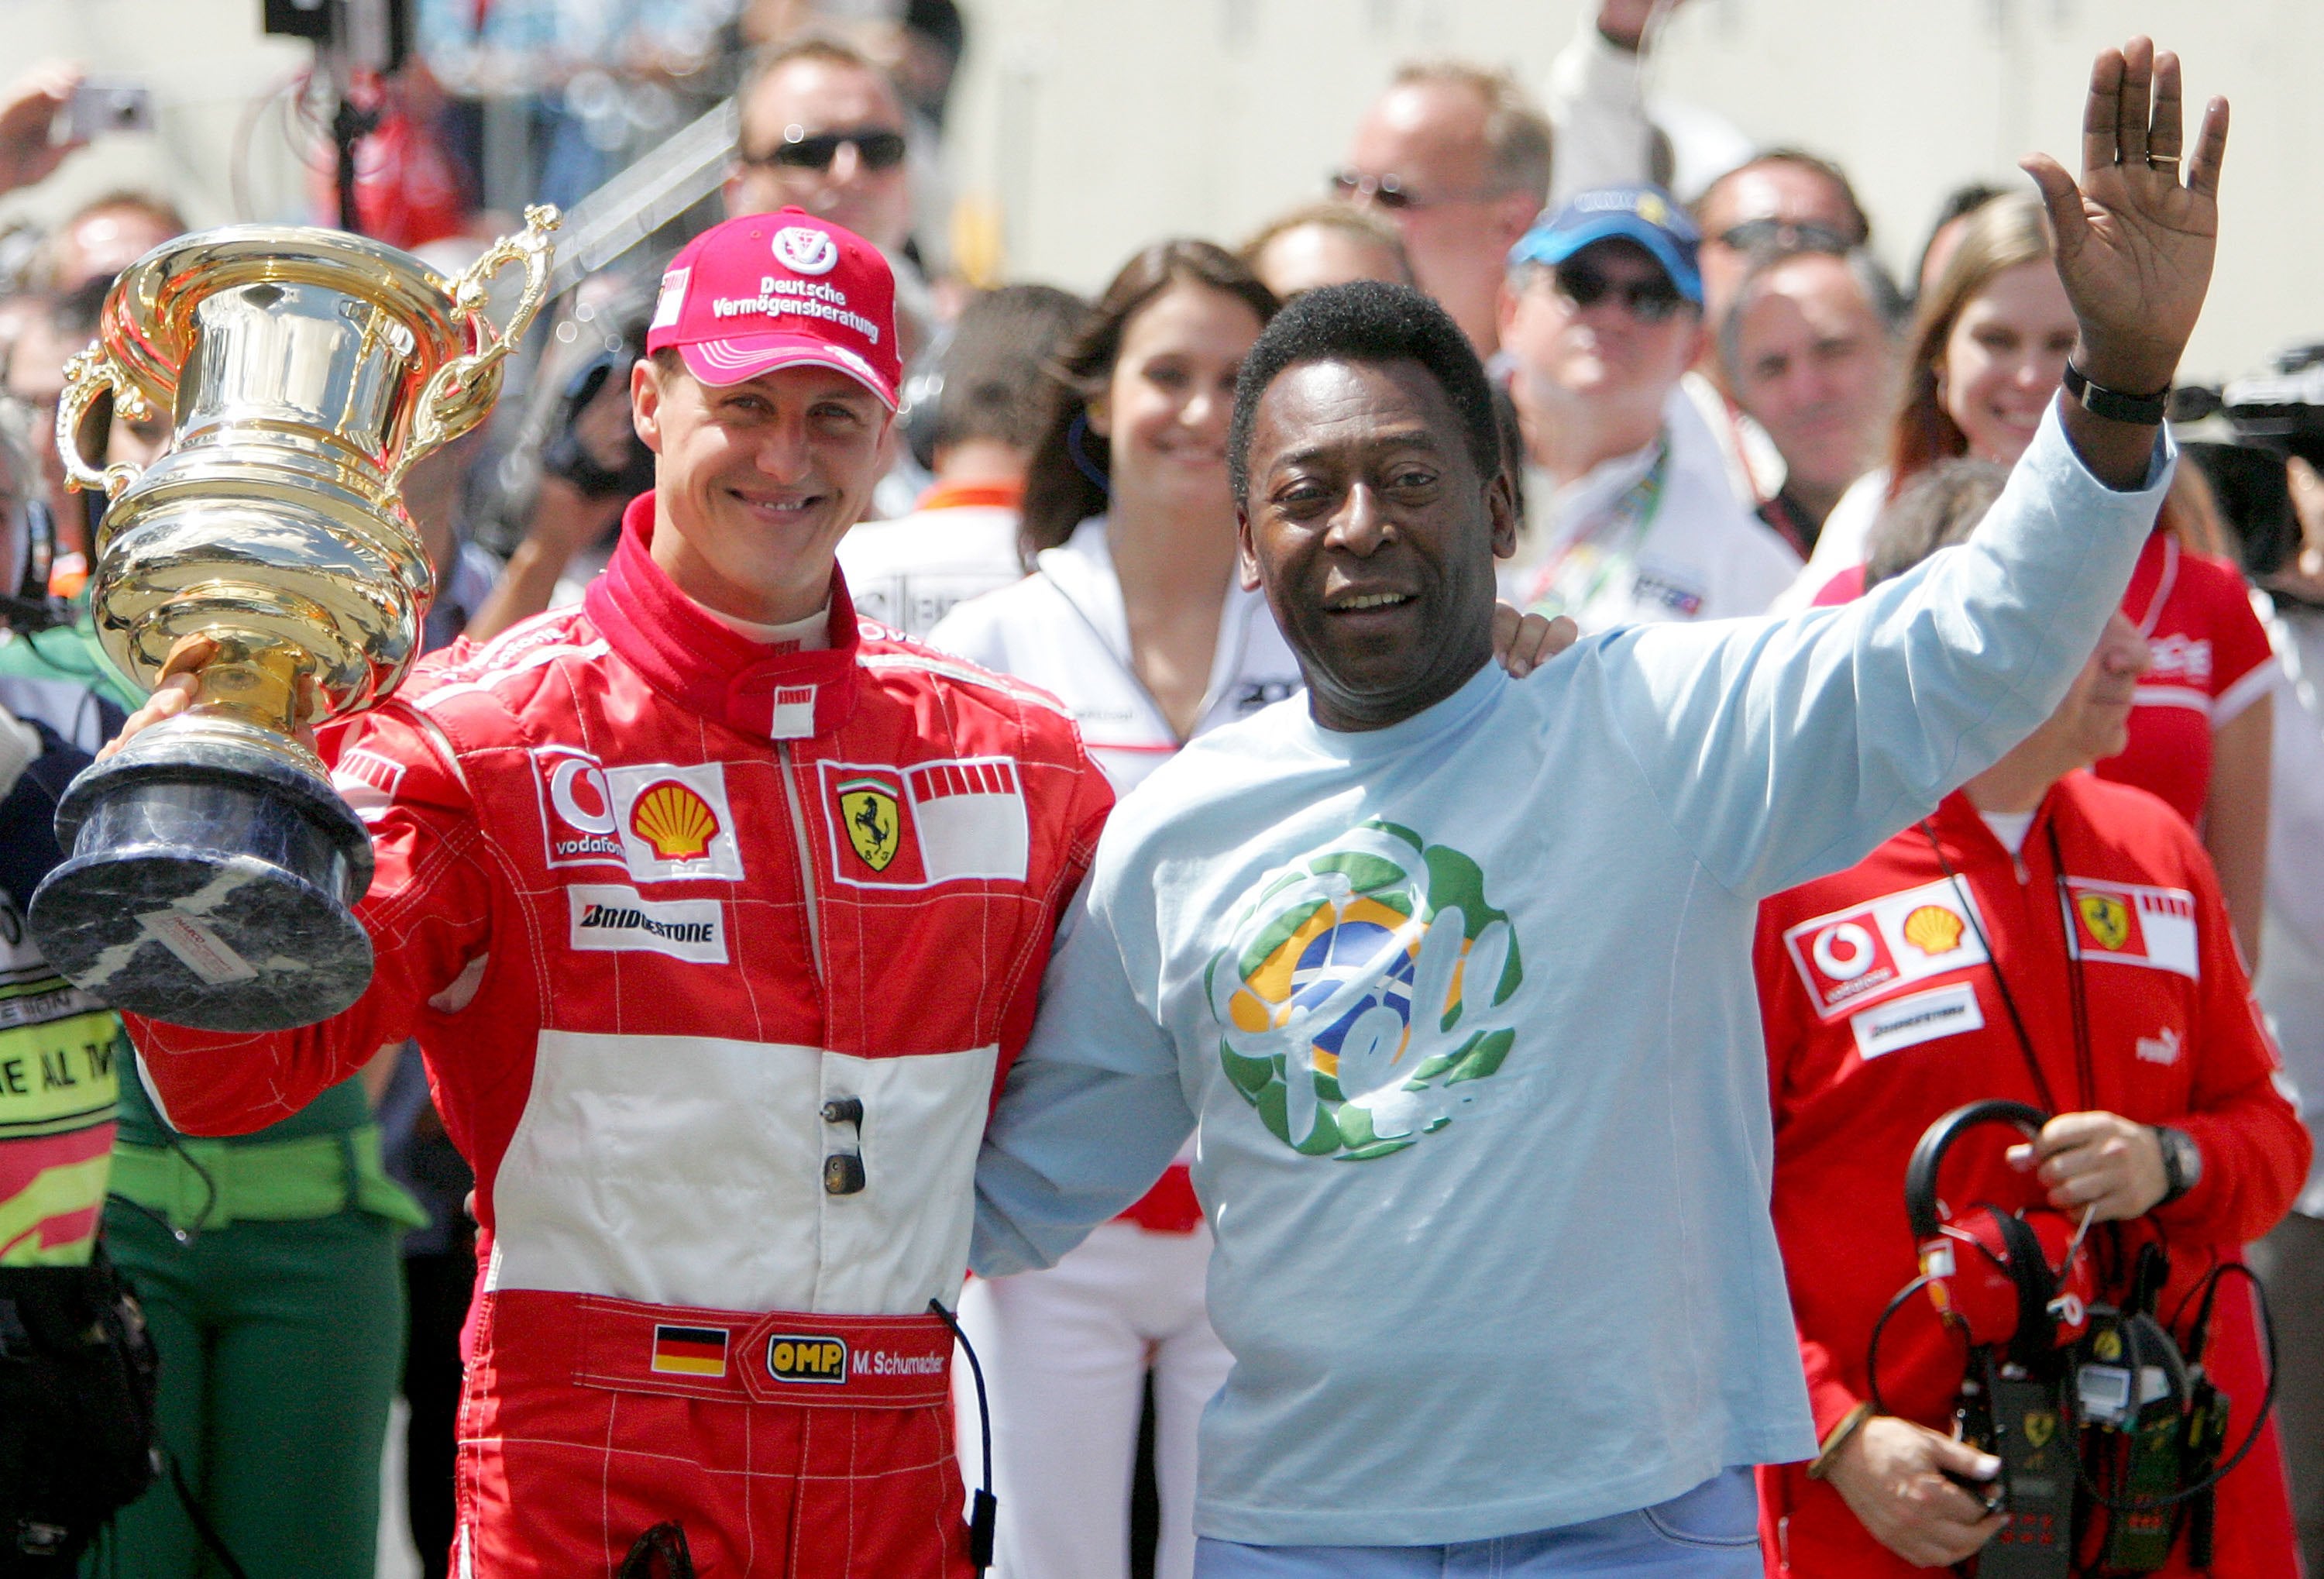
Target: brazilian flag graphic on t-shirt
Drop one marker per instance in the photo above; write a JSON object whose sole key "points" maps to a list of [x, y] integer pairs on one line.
{"points": [[1363, 984]]}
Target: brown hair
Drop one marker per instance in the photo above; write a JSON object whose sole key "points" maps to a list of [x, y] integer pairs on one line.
{"points": [[1938, 507], [1067, 483], [1518, 140], [1361, 223], [2004, 234]]}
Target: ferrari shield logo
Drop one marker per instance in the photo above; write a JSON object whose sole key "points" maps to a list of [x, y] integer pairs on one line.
{"points": [[867, 809], [2040, 1424], [2107, 916]]}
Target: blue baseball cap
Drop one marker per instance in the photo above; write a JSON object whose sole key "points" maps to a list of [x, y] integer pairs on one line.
{"points": [[1646, 214]]}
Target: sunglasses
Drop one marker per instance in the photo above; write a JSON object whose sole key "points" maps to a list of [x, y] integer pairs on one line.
{"points": [[1389, 192], [879, 147], [1783, 235], [1650, 301]]}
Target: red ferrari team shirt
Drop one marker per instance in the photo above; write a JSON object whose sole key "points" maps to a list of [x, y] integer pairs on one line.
{"points": [[2210, 661], [1881, 995]]}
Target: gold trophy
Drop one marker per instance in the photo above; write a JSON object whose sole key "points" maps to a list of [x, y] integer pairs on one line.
{"points": [[211, 866]]}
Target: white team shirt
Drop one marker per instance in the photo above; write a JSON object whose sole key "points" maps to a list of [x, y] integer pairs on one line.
{"points": [[908, 573], [1063, 628], [1651, 536]]}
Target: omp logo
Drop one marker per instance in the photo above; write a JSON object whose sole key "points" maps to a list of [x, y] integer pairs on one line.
{"points": [[791, 1358], [607, 919]]}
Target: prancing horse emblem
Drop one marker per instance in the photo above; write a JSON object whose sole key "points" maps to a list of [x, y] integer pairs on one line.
{"points": [[868, 808]]}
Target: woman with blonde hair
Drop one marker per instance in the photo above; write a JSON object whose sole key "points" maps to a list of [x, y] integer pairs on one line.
{"points": [[1985, 360]]}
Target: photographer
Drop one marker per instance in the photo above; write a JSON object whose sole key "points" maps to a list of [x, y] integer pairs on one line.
{"points": [[76, 1385], [1939, 971]]}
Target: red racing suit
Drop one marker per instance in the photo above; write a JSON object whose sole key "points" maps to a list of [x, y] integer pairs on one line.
{"points": [[716, 956], [1882, 1013]]}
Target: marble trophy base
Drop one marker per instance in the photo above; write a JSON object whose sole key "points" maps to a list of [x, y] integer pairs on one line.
{"points": [[207, 883]]}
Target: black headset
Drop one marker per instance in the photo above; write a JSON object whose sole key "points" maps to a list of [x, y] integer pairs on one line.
{"points": [[2021, 1257]]}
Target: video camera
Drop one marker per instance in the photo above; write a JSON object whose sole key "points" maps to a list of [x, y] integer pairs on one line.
{"points": [[2240, 435], [2110, 1436]]}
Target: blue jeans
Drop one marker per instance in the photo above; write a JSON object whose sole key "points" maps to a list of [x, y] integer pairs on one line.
{"points": [[1711, 1532]]}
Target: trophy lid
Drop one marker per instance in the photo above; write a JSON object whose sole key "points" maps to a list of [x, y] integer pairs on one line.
{"points": [[148, 320]]}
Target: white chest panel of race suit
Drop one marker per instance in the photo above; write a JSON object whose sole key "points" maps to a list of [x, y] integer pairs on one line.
{"points": [[637, 1157]]}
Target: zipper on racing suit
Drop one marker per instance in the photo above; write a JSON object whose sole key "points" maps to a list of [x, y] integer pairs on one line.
{"points": [[806, 858]]}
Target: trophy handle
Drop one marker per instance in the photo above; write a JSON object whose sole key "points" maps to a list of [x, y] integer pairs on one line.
{"points": [[88, 375], [464, 389]]}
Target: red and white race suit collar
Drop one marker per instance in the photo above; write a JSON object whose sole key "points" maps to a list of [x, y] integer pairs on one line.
{"points": [[709, 670], [1971, 841]]}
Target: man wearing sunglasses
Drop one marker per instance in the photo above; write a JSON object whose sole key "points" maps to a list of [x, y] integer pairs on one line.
{"points": [[1601, 315], [823, 131], [1457, 158], [1781, 200]]}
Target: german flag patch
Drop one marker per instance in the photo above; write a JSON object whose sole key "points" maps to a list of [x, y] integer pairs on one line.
{"points": [[690, 1351]]}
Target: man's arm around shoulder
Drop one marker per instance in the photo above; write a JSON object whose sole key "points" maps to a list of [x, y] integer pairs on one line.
{"points": [[1093, 1111]]}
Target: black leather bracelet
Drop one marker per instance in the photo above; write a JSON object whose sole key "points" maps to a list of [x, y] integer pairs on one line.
{"points": [[2115, 406]]}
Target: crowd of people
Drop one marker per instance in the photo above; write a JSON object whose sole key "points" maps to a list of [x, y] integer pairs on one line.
{"points": [[1410, 836]]}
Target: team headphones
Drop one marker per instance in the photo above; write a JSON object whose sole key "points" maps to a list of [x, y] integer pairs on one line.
{"points": [[2110, 1435], [2015, 1280]]}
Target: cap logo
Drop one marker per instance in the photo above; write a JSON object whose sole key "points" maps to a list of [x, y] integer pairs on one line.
{"points": [[673, 296], [804, 251], [1652, 210]]}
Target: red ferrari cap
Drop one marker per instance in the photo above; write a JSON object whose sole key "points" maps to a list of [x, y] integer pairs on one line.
{"points": [[783, 290]]}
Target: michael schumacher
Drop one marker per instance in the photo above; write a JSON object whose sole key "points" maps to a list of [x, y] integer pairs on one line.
{"points": [[718, 915]]}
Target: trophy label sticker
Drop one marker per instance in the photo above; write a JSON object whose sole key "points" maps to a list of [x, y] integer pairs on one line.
{"points": [[674, 822], [577, 808], [608, 918], [197, 948]]}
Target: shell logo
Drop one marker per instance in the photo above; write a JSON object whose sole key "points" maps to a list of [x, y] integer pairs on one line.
{"points": [[676, 822], [1933, 929]]}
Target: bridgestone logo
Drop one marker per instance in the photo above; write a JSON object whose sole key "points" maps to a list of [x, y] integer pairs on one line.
{"points": [[679, 931], [608, 917]]}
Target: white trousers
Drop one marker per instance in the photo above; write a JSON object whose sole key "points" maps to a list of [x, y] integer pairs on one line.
{"points": [[1065, 1353]]}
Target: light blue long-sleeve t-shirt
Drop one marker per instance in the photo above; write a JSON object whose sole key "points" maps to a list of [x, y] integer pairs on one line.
{"points": [[1463, 1010]]}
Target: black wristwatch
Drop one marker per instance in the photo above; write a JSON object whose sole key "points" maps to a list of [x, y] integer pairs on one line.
{"points": [[2112, 404], [2182, 1162]]}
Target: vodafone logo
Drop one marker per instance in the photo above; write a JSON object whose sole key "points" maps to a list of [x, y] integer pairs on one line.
{"points": [[1861, 954], [804, 251], [1845, 952], [577, 808]]}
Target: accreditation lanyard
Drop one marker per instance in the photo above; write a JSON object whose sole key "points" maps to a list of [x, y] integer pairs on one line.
{"points": [[1594, 558], [2084, 1074]]}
